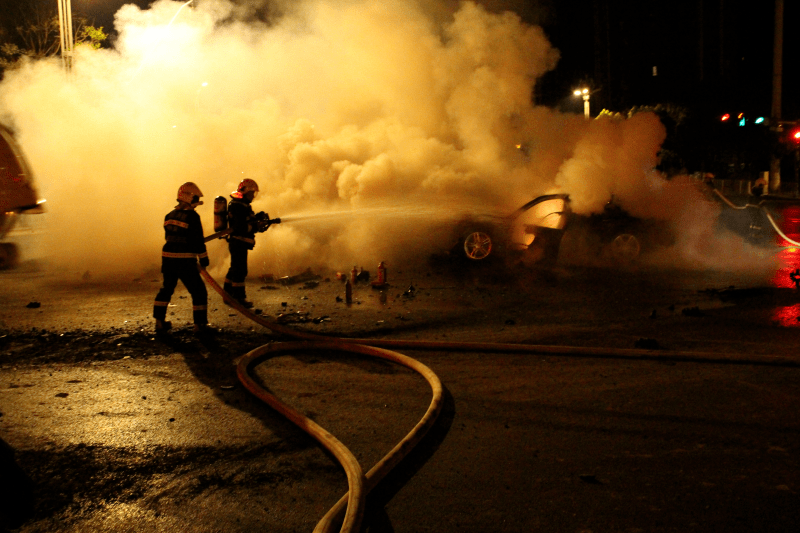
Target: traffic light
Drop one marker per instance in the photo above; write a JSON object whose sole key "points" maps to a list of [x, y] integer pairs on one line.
{"points": [[794, 136], [741, 120]]}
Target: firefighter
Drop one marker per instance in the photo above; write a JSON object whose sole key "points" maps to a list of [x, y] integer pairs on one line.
{"points": [[185, 245], [244, 224]]}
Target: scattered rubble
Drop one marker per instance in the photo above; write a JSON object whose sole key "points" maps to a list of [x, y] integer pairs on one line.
{"points": [[300, 317], [305, 276]]}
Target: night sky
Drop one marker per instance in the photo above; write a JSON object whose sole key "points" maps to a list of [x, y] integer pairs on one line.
{"points": [[714, 56]]}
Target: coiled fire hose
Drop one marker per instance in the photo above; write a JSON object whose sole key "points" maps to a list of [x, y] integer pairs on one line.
{"points": [[349, 509], [359, 484]]}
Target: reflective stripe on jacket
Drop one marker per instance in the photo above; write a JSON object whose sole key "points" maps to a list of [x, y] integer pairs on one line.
{"points": [[241, 220], [183, 232]]}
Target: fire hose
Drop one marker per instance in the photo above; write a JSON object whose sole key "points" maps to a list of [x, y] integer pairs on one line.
{"points": [[766, 212], [359, 484], [350, 508], [778, 230]]}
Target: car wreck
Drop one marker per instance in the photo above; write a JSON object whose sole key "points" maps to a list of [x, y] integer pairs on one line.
{"points": [[533, 233], [534, 229]]}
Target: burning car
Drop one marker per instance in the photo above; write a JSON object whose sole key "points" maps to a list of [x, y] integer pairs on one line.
{"points": [[533, 233], [534, 229], [617, 236]]}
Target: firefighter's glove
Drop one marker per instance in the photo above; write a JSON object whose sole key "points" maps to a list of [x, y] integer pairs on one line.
{"points": [[262, 222], [203, 262]]}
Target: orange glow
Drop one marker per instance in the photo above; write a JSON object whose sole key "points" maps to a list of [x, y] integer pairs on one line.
{"points": [[790, 225], [789, 267], [788, 316]]}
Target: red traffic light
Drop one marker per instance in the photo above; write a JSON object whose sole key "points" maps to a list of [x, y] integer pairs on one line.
{"points": [[725, 117], [795, 135]]}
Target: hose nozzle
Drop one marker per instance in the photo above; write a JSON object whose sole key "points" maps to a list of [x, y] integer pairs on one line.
{"points": [[264, 222]]}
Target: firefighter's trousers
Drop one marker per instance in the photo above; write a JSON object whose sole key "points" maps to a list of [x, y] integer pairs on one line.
{"points": [[190, 276], [234, 279]]}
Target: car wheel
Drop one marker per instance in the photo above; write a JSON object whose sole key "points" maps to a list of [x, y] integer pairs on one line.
{"points": [[625, 248], [477, 245]]}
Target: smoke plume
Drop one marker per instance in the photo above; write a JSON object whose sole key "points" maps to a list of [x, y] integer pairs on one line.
{"points": [[365, 123]]}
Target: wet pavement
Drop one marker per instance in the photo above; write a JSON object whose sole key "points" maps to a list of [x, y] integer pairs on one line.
{"points": [[118, 430]]}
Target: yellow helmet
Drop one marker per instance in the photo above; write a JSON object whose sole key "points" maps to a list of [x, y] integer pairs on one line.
{"points": [[190, 193], [245, 186]]}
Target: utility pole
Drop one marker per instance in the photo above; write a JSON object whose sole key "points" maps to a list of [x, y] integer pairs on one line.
{"points": [[777, 84], [584, 93], [65, 29]]}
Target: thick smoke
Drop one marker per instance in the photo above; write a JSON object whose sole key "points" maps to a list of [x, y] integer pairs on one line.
{"points": [[370, 111]]}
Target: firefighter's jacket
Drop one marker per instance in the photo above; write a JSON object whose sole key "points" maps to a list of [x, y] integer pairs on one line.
{"points": [[242, 221], [184, 234]]}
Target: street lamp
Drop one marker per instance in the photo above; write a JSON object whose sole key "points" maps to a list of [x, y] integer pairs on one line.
{"points": [[584, 93], [65, 29]]}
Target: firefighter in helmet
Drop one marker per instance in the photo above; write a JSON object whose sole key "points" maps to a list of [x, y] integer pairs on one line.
{"points": [[244, 225], [179, 256]]}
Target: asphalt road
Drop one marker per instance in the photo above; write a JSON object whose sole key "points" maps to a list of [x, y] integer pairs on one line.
{"points": [[112, 429]]}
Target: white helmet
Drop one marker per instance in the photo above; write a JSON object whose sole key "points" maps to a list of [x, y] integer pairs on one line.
{"points": [[245, 186], [190, 193]]}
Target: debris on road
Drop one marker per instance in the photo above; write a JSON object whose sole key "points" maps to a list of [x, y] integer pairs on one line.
{"points": [[300, 317], [410, 292], [363, 275], [306, 275]]}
